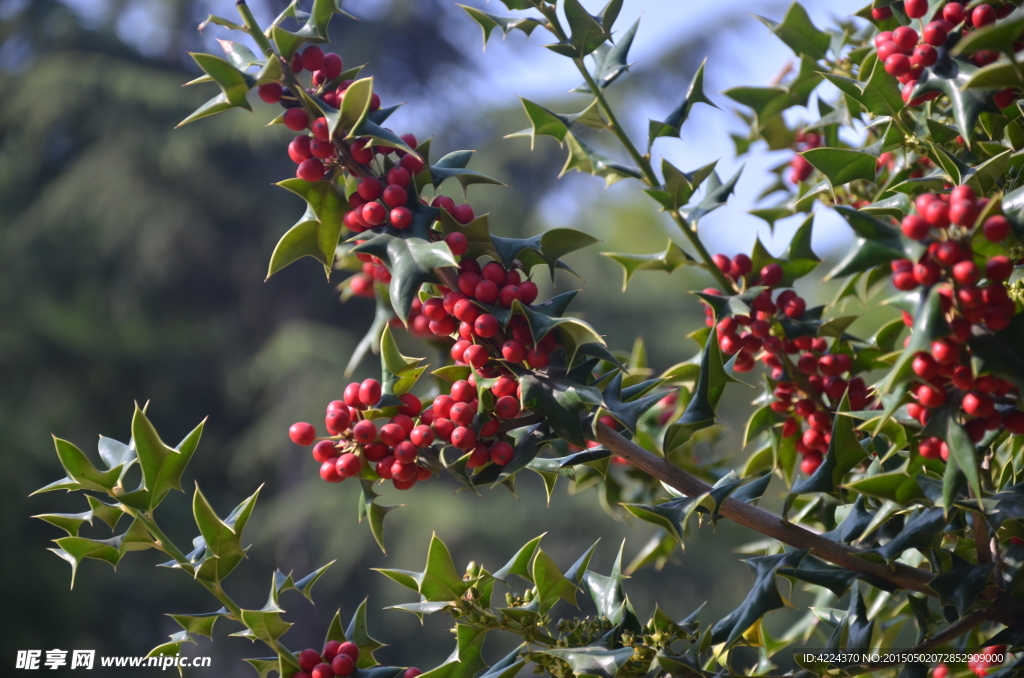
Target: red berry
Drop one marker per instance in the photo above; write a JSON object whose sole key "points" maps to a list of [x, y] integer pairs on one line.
{"points": [[924, 56], [463, 438], [949, 253], [486, 326], [937, 214], [905, 37], [881, 13], [466, 311], [507, 295], [270, 92], [930, 396], [926, 273], [321, 149], [915, 9], [391, 434], [998, 268], [463, 213], [310, 169], [507, 407], [886, 49], [298, 149], [476, 356], [412, 672], [405, 452], [723, 263], [296, 119], [343, 666], [373, 213], [468, 282], [308, 659], [332, 66], [329, 472], [321, 129], [369, 189], [1013, 422], [502, 453], [996, 228], [740, 266], [331, 650], [983, 15], [337, 420], [302, 433], [364, 432], [795, 308], [963, 212], [904, 280], [771, 275], [312, 58], [810, 463], [369, 392], [977, 404], [513, 351], [422, 436], [915, 227], [400, 217], [945, 352], [324, 451], [935, 33], [457, 243], [395, 196], [537, 358], [931, 448], [399, 176], [349, 648], [1004, 98], [462, 391], [965, 273], [955, 14], [348, 465], [528, 292]]}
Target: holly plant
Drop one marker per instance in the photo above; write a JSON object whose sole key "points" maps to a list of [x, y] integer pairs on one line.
{"points": [[893, 454]]}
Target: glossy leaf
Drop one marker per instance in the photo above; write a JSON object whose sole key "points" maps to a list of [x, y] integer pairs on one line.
{"points": [[877, 243], [763, 597], [593, 661], [700, 412], [583, 158], [551, 584], [842, 165], [798, 32], [328, 206], [562, 401], [960, 586], [672, 125], [488, 22], [669, 260]]}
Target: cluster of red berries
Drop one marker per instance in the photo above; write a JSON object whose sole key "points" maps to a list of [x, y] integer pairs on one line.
{"points": [[799, 168], [979, 663], [906, 54], [337, 659], [949, 258], [315, 152]]}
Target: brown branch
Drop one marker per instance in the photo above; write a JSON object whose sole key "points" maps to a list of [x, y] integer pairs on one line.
{"points": [[1003, 610]]}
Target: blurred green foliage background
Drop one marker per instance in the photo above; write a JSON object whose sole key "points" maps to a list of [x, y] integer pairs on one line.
{"points": [[132, 259]]}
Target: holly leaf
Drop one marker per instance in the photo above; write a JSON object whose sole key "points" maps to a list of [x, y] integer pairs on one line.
{"points": [[668, 260], [592, 660], [625, 411], [700, 411], [763, 597], [879, 94], [587, 34], [844, 452], [488, 22], [960, 586], [454, 165], [221, 538], [520, 562], [715, 195], [679, 186], [609, 598], [399, 373], [549, 247], [359, 634], [1000, 36], [82, 474], [477, 232], [950, 77], [798, 32], [551, 584], [584, 159], [671, 126], [1001, 352], [466, 660], [842, 165], [877, 243], [546, 122], [611, 61], [561, 400], [410, 256], [917, 533], [162, 466], [326, 208], [929, 325], [373, 512], [234, 85]]}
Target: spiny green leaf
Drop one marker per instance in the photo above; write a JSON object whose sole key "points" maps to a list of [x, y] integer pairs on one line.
{"points": [[672, 125], [585, 159], [877, 243], [587, 33], [550, 246], [328, 206], [520, 562], [596, 661], [611, 61], [799, 33], [844, 452], [715, 195], [507, 24], [358, 633], [454, 165], [668, 260], [548, 123], [551, 583], [162, 466], [562, 401], [201, 624], [301, 240], [373, 512], [700, 411], [764, 597], [950, 77], [842, 165], [81, 470], [961, 584]]}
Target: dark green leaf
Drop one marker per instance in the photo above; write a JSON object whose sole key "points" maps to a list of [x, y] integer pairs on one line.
{"points": [[842, 165], [454, 165], [162, 466], [672, 125], [373, 512], [551, 583], [583, 158], [587, 33], [877, 243], [764, 597], [715, 195], [562, 401], [961, 584], [700, 411], [669, 260], [327, 206], [507, 24], [799, 33], [593, 661], [520, 562]]}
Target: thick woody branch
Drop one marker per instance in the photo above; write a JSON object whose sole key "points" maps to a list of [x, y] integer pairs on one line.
{"points": [[1002, 610]]}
